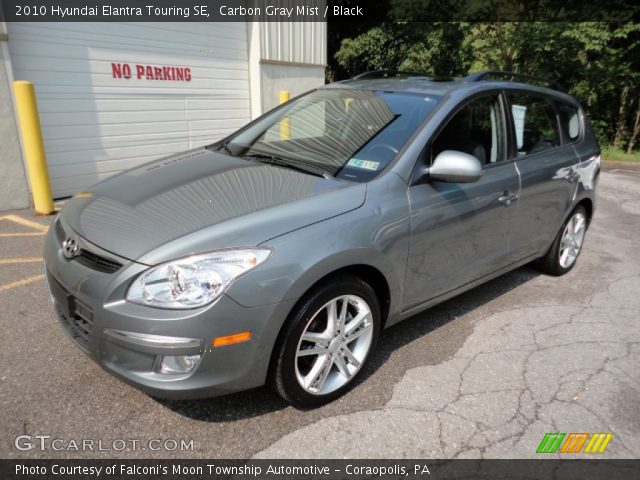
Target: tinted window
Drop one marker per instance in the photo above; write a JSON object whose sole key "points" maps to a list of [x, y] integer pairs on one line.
{"points": [[535, 123], [570, 122], [349, 133], [477, 129]]}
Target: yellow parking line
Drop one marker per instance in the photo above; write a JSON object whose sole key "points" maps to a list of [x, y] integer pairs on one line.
{"points": [[13, 261], [26, 223], [29, 234], [20, 283]]}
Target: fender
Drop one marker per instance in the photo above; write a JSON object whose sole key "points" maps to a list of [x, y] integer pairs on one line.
{"points": [[339, 242]]}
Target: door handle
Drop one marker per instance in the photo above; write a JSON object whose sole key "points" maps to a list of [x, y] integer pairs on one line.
{"points": [[507, 197]]}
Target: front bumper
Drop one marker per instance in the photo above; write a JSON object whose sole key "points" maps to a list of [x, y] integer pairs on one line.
{"points": [[129, 340]]}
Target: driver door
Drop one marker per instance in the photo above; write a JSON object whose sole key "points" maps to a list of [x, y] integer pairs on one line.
{"points": [[460, 231]]}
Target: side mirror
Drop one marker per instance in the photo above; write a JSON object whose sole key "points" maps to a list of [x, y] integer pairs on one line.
{"points": [[455, 167]]}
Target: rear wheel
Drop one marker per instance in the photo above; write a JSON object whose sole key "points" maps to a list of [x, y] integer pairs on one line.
{"points": [[567, 246], [327, 341]]}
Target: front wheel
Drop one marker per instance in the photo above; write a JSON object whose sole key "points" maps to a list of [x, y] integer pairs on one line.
{"points": [[327, 341], [564, 252]]}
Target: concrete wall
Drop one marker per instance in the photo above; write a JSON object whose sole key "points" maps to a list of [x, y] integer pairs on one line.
{"points": [[295, 78], [295, 42], [285, 56], [13, 182]]}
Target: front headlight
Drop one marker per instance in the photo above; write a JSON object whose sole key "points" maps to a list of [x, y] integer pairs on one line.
{"points": [[194, 281]]}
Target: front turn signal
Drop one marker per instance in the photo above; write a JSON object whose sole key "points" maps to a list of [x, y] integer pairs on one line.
{"points": [[231, 339]]}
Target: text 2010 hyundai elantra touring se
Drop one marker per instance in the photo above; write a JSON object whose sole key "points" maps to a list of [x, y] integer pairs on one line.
{"points": [[278, 254]]}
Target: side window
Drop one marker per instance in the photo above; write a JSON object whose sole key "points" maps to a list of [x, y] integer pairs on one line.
{"points": [[569, 121], [535, 123], [476, 129]]}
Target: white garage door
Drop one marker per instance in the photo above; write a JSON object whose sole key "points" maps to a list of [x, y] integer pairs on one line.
{"points": [[115, 95]]}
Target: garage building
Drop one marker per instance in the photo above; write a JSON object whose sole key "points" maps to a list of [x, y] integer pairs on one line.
{"points": [[114, 95]]}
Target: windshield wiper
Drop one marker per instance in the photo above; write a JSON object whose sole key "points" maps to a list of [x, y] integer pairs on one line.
{"points": [[281, 162]]}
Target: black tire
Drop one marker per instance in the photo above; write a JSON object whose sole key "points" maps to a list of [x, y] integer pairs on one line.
{"points": [[283, 376], [550, 263]]}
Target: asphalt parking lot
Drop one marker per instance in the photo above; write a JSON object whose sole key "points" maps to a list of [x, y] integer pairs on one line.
{"points": [[486, 374]]}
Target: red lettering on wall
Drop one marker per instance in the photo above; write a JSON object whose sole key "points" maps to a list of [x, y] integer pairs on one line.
{"points": [[116, 70], [151, 72]]}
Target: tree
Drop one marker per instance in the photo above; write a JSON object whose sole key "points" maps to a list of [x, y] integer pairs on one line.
{"points": [[377, 49], [438, 49]]}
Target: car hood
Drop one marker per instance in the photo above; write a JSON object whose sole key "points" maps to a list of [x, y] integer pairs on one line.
{"points": [[202, 200]]}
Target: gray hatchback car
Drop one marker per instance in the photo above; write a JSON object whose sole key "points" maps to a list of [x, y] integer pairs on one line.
{"points": [[278, 254]]}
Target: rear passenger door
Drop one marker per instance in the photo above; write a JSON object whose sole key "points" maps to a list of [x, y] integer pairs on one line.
{"points": [[546, 162]]}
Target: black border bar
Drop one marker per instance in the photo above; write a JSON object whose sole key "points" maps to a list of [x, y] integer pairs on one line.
{"points": [[569, 469], [318, 10]]}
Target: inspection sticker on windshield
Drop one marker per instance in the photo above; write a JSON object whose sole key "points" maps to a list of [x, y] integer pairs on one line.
{"points": [[363, 164]]}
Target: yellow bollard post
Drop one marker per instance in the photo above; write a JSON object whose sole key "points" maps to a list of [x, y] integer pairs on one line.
{"points": [[35, 157], [285, 126]]}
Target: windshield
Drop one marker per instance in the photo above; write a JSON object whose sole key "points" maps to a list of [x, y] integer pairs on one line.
{"points": [[352, 134]]}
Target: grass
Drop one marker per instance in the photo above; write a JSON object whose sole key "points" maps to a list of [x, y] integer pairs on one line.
{"points": [[610, 154]]}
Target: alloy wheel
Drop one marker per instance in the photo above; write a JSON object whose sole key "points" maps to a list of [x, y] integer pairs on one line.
{"points": [[572, 239], [334, 345]]}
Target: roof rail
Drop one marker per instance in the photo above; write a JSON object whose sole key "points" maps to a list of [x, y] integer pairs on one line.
{"points": [[386, 74], [511, 76]]}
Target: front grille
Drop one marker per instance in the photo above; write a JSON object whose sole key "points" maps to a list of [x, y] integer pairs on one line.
{"points": [[87, 258], [78, 324], [96, 262]]}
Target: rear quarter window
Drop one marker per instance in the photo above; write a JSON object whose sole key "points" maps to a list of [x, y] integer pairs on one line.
{"points": [[569, 121]]}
